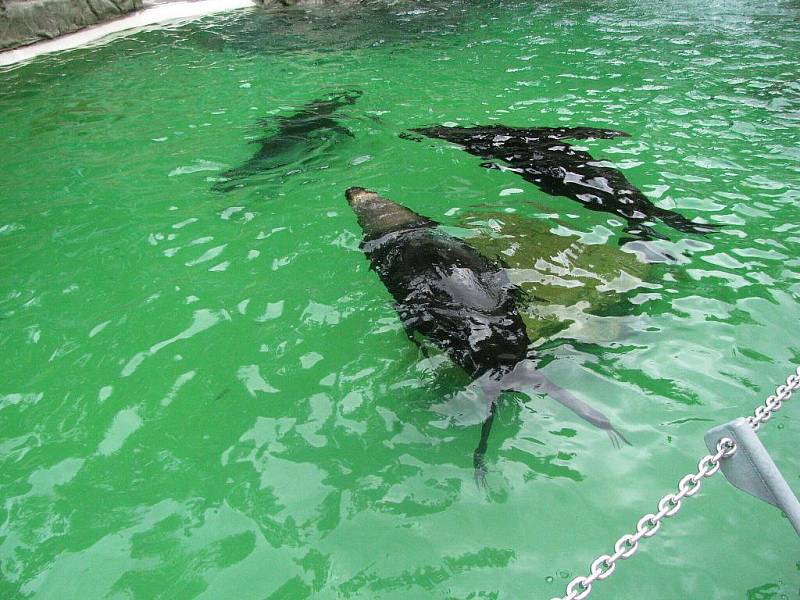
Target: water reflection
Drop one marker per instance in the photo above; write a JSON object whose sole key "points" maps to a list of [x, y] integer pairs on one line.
{"points": [[276, 433]]}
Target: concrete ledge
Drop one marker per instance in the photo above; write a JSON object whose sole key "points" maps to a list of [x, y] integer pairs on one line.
{"points": [[24, 22], [162, 13]]}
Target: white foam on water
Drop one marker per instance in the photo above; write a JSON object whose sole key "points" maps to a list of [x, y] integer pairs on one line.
{"points": [[105, 32]]}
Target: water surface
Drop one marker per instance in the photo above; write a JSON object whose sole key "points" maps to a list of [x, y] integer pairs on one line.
{"points": [[208, 394]]}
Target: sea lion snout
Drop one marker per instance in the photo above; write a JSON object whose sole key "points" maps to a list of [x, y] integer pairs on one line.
{"points": [[355, 194]]}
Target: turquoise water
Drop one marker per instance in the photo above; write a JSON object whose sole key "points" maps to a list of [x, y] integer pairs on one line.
{"points": [[209, 395]]}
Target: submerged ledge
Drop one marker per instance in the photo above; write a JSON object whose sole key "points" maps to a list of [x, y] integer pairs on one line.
{"points": [[163, 13]]}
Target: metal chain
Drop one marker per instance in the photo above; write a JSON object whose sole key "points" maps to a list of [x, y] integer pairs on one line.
{"points": [[648, 525], [580, 587], [773, 404]]}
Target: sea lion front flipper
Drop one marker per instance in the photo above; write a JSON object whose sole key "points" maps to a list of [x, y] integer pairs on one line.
{"points": [[412, 335], [410, 326]]}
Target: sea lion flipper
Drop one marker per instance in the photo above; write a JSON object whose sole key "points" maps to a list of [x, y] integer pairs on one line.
{"points": [[529, 376], [412, 334], [479, 456], [616, 437], [681, 223], [479, 462]]}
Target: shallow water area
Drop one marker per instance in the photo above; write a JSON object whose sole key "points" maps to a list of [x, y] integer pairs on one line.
{"points": [[208, 394]]}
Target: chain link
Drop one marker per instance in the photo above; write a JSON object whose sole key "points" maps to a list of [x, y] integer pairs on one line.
{"points": [[773, 404], [626, 546]]}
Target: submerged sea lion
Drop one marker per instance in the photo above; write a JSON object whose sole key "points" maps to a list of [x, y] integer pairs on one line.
{"points": [[459, 300], [310, 127], [541, 156]]}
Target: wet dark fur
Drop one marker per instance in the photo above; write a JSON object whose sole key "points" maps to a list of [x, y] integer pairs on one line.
{"points": [[542, 157], [459, 300], [452, 295]]}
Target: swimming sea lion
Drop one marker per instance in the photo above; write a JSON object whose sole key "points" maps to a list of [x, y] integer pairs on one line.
{"points": [[541, 156], [312, 126], [459, 300]]}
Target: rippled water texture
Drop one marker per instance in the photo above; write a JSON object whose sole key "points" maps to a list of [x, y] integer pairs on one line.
{"points": [[208, 394]]}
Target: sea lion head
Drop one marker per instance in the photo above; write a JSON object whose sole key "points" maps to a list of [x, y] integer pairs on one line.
{"points": [[379, 216], [358, 195], [372, 211]]}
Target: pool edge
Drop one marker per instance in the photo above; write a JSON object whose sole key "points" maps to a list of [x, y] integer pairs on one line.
{"points": [[153, 15]]}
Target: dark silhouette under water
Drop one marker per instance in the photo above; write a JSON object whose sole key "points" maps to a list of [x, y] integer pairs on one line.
{"points": [[314, 125], [541, 156], [461, 301]]}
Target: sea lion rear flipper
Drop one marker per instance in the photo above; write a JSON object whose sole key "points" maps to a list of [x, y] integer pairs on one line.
{"points": [[491, 165], [529, 376], [479, 456], [681, 223], [491, 391]]}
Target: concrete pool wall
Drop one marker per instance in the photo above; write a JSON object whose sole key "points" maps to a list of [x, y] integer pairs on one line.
{"points": [[152, 14], [27, 22], [24, 22]]}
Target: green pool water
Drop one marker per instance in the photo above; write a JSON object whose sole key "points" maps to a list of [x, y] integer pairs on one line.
{"points": [[209, 395]]}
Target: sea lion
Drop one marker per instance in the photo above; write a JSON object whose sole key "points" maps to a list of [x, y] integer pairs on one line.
{"points": [[311, 127], [541, 156], [459, 300]]}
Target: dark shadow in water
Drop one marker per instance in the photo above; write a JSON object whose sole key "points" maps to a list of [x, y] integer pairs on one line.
{"points": [[293, 139], [541, 156]]}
